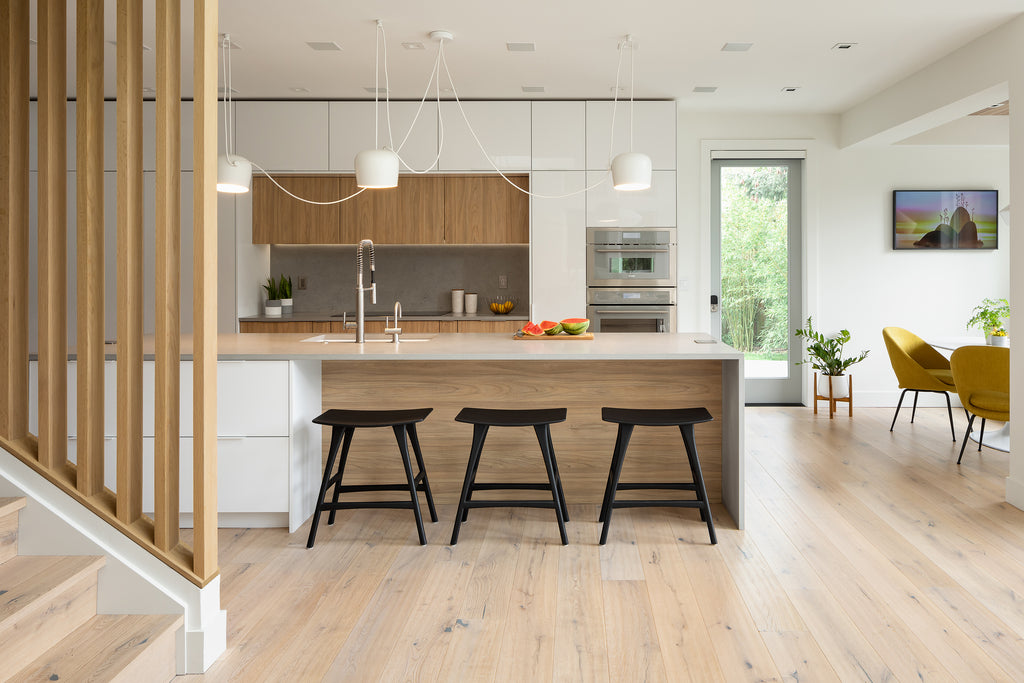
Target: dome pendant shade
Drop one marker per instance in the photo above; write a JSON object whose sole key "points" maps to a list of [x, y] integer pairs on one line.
{"points": [[233, 176], [631, 171], [376, 168]]}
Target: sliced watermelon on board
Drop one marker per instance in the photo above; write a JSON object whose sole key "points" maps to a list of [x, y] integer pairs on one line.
{"points": [[550, 327], [575, 325], [532, 329]]}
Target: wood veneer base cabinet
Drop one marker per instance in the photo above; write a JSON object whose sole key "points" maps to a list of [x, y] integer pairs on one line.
{"points": [[509, 326], [430, 209]]}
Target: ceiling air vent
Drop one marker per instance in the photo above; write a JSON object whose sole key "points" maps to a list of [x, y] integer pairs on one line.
{"points": [[533, 88], [737, 47], [844, 46], [521, 47], [325, 46], [705, 88]]}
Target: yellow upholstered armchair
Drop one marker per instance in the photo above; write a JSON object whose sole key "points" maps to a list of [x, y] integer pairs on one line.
{"points": [[982, 376], [918, 367]]}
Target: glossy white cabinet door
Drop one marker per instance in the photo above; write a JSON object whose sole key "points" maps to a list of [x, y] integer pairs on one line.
{"points": [[559, 136], [282, 136], [654, 132], [109, 398], [351, 125], [558, 261], [109, 459], [502, 127], [252, 398], [653, 208]]}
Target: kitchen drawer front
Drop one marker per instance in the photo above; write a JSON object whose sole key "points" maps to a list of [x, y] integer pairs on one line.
{"points": [[109, 459], [252, 475], [109, 398], [252, 398]]}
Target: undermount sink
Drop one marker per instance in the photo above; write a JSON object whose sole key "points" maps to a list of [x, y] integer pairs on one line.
{"points": [[331, 339]]}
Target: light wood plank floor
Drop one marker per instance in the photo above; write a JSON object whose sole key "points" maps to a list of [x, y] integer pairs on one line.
{"points": [[868, 556]]}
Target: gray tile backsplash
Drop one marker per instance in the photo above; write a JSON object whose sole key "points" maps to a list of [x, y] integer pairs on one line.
{"points": [[420, 276]]}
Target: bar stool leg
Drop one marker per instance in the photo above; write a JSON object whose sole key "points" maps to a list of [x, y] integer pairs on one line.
{"points": [[423, 470], [611, 472], [403, 447], [349, 432], [698, 478], [617, 460], [544, 439], [479, 433], [476, 468], [332, 454], [558, 477]]}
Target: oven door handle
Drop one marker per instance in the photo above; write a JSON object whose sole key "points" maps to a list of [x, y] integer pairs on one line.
{"points": [[640, 312], [631, 251]]}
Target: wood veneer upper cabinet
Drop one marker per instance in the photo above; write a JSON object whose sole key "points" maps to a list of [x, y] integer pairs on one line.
{"points": [[280, 219], [412, 213], [486, 210]]}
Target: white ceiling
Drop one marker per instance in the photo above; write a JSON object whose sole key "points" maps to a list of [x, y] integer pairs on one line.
{"points": [[678, 47]]}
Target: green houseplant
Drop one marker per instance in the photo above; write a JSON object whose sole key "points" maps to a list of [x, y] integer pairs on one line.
{"points": [[825, 354], [272, 306], [988, 317], [284, 290]]}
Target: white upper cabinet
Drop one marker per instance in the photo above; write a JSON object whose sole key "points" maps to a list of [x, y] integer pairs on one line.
{"points": [[351, 125], [558, 236], [502, 127], [559, 136], [652, 208], [654, 132], [283, 136]]}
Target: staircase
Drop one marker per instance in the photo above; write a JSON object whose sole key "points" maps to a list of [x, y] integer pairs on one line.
{"points": [[49, 627]]}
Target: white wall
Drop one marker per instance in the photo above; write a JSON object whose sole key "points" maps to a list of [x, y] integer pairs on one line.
{"points": [[853, 278]]}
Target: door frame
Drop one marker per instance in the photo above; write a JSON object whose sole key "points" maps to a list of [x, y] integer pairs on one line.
{"points": [[802, 148]]}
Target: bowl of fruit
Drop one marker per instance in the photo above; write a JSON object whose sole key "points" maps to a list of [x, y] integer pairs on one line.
{"points": [[502, 305]]}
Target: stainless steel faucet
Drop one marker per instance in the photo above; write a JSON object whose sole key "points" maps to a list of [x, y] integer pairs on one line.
{"points": [[360, 324], [395, 330]]}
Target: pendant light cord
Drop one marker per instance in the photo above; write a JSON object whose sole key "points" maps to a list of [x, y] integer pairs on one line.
{"points": [[229, 147]]}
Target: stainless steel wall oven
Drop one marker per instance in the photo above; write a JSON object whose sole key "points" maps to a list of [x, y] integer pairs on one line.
{"points": [[631, 277]]}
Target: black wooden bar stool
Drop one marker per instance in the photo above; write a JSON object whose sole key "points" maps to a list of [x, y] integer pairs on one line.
{"points": [[344, 423], [627, 419], [483, 419]]}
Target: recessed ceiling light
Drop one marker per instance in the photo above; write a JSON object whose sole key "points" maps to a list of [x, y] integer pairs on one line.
{"points": [[533, 88], [220, 89], [843, 46], [521, 47], [447, 88], [152, 91], [613, 89], [145, 48], [379, 91], [413, 46], [324, 46], [705, 88], [737, 47], [299, 89], [790, 88], [232, 45]]}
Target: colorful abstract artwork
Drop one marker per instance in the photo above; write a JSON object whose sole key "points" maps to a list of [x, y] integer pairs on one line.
{"points": [[941, 219]]}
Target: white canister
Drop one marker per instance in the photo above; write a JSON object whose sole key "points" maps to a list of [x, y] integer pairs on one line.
{"points": [[471, 303], [458, 301]]}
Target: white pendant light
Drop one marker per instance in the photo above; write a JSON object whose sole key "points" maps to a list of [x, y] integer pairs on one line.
{"points": [[234, 176], [376, 168], [631, 170]]}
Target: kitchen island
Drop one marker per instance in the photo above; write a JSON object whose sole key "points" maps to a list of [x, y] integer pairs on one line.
{"points": [[450, 371]]}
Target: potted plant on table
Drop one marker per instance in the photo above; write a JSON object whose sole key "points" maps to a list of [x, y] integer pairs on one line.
{"points": [[988, 316], [284, 290], [272, 306], [825, 354]]}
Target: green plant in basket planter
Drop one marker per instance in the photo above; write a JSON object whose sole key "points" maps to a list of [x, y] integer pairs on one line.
{"points": [[273, 289], [825, 354], [284, 287], [988, 317]]}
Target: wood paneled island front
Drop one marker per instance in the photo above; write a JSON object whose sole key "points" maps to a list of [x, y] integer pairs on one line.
{"points": [[451, 371]]}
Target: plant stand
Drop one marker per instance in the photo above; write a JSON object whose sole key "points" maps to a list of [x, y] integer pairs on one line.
{"points": [[832, 401]]}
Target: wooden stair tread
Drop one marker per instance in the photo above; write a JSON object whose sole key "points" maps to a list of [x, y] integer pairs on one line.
{"points": [[9, 506], [109, 647], [27, 578]]}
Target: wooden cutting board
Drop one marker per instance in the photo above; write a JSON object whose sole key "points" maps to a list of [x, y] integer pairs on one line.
{"points": [[556, 337]]}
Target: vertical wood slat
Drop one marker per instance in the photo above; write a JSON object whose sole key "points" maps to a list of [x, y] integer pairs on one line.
{"points": [[53, 241], [204, 341], [168, 268], [89, 341], [14, 63], [129, 260]]}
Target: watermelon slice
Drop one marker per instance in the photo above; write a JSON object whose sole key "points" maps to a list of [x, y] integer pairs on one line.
{"points": [[532, 329], [550, 327], [575, 325]]}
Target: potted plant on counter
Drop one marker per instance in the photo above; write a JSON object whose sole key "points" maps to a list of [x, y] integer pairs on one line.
{"points": [[272, 306], [284, 290], [988, 317], [825, 355]]}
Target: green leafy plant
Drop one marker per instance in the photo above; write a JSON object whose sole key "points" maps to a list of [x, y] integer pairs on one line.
{"points": [[825, 354], [284, 287], [989, 315], [273, 290]]}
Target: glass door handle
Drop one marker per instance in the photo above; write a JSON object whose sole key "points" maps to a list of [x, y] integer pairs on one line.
{"points": [[714, 303]]}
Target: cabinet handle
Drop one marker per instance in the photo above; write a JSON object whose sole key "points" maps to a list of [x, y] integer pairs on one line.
{"points": [[631, 251], [231, 438]]}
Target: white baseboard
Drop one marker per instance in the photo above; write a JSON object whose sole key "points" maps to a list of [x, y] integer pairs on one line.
{"points": [[889, 399], [1015, 492], [241, 520]]}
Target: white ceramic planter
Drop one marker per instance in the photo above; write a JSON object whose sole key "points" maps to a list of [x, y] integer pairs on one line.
{"points": [[997, 340], [272, 308], [286, 306], [840, 386]]}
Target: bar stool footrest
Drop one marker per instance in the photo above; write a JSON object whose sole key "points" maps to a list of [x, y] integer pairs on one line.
{"points": [[658, 503], [497, 486], [510, 504], [364, 488], [357, 505], [688, 486]]}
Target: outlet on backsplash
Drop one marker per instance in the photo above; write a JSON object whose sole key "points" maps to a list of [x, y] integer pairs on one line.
{"points": [[503, 282], [301, 283]]}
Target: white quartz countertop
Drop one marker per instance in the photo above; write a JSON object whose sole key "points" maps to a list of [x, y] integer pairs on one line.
{"points": [[496, 346]]}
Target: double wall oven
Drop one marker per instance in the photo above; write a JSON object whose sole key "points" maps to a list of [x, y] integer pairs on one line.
{"points": [[631, 279]]}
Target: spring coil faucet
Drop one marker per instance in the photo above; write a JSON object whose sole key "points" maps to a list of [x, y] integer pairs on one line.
{"points": [[360, 288]]}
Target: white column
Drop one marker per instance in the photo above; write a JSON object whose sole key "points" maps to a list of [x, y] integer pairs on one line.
{"points": [[1015, 481]]}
